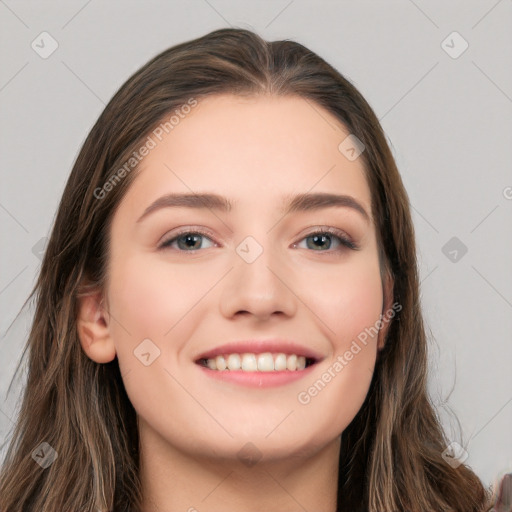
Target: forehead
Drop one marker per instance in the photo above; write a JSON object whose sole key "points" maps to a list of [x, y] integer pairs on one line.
{"points": [[252, 149]]}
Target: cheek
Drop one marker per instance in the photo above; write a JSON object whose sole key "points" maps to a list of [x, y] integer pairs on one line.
{"points": [[138, 298], [147, 299], [151, 299], [348, 301], [349, 305], [142, 305], [149, 296]]}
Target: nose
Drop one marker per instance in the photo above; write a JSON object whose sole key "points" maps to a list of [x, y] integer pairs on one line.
{"points": [[260, 288]]}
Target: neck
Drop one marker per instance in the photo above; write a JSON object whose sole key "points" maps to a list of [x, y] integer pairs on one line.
{"points": [[173, 480]]}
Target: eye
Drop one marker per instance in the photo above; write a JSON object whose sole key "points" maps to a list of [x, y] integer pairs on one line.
{"points": [[190, 240], [323, 238], [187, 241]]}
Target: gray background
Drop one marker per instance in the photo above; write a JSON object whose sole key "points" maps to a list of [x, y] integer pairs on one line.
{"points": [[447, 119]]}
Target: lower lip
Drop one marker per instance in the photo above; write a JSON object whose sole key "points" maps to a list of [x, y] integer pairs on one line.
{"points": [[257, 379]]}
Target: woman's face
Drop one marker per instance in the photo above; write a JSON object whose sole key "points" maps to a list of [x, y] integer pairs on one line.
{"points": [[254, 274]]}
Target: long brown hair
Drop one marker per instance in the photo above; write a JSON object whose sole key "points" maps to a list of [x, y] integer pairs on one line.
{"points": [[391, 453]]}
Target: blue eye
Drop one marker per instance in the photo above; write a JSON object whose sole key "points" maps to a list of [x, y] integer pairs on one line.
{"points": [[326, 235], [190, 241], [187, 241]]}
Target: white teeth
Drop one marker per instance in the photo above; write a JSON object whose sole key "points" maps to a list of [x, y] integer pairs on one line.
{"points": [[234, 362], [280, 362], [291, 362], [265, 362], [220, 363], [249, 363]]}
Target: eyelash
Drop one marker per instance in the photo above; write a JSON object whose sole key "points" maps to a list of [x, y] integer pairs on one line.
{"points": [[344, 240]]}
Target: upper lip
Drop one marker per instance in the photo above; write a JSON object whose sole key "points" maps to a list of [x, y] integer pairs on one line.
{"points": [[255, 346]]}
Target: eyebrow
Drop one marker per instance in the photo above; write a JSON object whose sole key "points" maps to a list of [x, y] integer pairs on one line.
{"points": [[299, 202]]}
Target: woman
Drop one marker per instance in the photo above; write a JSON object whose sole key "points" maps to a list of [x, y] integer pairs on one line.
{"points": [[258, 372]]}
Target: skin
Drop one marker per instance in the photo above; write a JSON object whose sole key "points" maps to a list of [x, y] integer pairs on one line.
{"points": [[254, 151]]}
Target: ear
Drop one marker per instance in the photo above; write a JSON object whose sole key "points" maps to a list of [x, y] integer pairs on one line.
{"points": [[93, 328], [387, 312]]}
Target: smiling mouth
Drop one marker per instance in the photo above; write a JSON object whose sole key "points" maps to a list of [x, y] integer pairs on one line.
{"points": [[263, 362]]}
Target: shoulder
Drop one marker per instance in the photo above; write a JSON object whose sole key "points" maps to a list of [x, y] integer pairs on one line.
{"points": [[502, 498]]}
